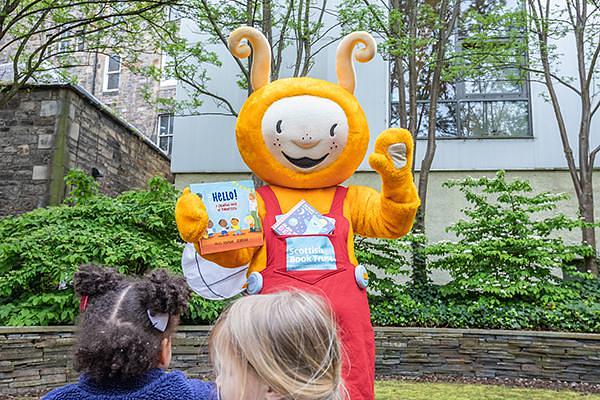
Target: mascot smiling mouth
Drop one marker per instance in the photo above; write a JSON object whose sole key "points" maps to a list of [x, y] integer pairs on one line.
{"points": [[305, 162]]}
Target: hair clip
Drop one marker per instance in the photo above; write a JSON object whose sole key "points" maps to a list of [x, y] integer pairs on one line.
{"points": [[83, 302], [159, 320]]}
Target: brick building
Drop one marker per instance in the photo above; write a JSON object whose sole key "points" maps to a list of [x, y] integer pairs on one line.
{"points": [[48, 129]]}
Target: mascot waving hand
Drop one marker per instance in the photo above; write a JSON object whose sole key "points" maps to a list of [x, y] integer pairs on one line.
{"points": [[304, 137]]}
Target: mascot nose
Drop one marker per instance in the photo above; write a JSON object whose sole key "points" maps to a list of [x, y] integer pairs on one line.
{"points": [[306, 142]]}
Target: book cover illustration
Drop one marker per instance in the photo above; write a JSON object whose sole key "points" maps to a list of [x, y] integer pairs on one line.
{"points": [[233, 220], [303, 219]]}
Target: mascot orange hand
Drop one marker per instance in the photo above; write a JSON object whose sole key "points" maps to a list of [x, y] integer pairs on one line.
{"points": [[392, 159], [393, 153], [191, 216]]}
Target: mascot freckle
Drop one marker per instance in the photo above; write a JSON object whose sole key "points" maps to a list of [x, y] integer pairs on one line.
{"points": [[304, 137]]}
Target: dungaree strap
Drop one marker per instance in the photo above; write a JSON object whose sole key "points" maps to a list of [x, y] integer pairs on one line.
{"points": [[273, 207], [337, 206], [271, 202]]}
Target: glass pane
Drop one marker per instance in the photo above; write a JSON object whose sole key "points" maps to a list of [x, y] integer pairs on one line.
{"points": [[165, 124], [446, 125], [170, 122], [170, 144], [163, 143], [113, 81], [114, 64], [394, 116], [495, 118], [64, 45], [166, 66], [492, 67], [510, 16], [447, 92], [491, 86]]}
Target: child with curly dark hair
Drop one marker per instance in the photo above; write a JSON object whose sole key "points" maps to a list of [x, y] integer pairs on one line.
{"points": [[124, 339]]}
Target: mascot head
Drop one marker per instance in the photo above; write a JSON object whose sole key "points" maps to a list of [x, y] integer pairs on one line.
{"points": [[301, 132]]}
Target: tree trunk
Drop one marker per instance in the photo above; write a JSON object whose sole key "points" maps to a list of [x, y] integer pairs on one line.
{"points": [[419, 274], [419, 261], [588, 233]]}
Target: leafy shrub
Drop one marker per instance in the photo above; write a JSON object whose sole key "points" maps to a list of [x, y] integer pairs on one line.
{"points": [[40, 250], [505, 248], [503, 266], [403, 308]]}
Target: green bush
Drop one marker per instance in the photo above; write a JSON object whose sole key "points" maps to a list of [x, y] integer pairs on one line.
{"points": [[502, 265], [506, 247], [40, 250], [403, 308]]}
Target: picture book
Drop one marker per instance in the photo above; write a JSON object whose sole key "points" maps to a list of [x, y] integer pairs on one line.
{"points": [[303, 219], [233, 220]]}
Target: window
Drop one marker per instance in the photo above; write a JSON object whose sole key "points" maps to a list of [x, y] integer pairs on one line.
{"points": [[166, 79], [165, 132], [64, 45], [112, 74], [81, 41], [494, 103], [6, 72]]}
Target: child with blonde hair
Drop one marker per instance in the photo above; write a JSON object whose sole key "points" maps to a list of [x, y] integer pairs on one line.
{"points": [[278, 346]]}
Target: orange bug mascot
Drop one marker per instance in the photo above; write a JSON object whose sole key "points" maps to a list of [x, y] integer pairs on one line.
{"points": [[304, 137]]}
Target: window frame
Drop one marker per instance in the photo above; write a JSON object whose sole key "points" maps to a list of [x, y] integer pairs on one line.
{"points": [[165, 82], [106, 74], [170, 132], [461, 98]]}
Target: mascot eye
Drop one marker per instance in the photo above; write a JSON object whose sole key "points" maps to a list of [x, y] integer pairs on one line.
{"points": [[278, 126], [332, 130]]}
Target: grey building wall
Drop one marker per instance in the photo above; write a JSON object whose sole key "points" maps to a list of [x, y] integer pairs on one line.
{"points": [[206, 143], [128, 102]]}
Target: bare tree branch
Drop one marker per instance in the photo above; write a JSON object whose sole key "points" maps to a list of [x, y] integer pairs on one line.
{"points": [[593, 156], [223, 39], [553, 76], [536, 10]]}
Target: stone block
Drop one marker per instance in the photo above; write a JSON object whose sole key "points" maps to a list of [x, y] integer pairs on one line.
{"points": [[74, 131], [23, 150], [40, 172], [49, 108], [45, 141]]}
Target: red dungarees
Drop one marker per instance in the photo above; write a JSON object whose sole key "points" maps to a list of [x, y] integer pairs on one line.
{"points": [[287, 267]]}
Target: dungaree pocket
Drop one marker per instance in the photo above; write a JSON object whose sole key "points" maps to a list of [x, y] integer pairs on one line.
{"points": [[309, 258]]}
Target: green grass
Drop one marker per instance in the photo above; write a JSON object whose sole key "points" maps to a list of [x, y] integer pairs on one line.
{"points": [[399, 390]]}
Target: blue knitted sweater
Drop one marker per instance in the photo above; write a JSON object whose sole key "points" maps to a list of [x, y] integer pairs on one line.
{"points": [[154, 385]]}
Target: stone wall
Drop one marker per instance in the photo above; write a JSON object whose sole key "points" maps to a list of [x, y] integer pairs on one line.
{"points": [[571, 357], [46, 130], [39, 358]]}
